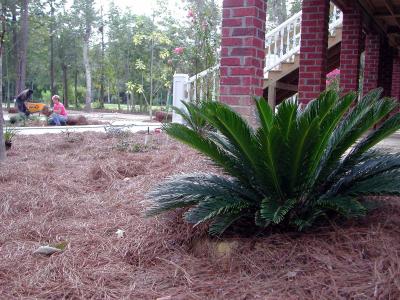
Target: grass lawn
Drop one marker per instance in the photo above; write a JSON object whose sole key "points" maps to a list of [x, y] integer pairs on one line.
{"points": [[82, 188]]}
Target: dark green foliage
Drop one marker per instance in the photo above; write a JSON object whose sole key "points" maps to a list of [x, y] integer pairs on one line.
{"points": [[298, 166], [192, 116]]}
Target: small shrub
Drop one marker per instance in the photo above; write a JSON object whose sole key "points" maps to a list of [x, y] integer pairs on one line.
{"points": [[299, 166], [13, 120], [115, 131], [9, 133], [122, 145], [13, 110], [70, 136], [163, 116], [97, 105]]}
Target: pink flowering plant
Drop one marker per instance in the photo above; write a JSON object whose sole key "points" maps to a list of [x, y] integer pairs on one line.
{"points": [[333, 80], [198, 51]]}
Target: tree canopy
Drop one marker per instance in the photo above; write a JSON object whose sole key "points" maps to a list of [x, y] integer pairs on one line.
{"points": [[90, 55]]}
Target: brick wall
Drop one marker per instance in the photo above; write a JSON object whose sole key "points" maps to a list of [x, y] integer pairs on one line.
{"points": [[313, 49], [242, 54], [371, 69], [350, 48]]}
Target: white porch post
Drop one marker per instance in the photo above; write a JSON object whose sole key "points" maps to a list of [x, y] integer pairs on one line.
{"points": [[179, 95]]}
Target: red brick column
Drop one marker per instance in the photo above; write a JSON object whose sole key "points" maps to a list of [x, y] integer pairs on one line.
{"points": [[350, 49], [396, 78], [313, 49], [371, 69], [242, 54]]}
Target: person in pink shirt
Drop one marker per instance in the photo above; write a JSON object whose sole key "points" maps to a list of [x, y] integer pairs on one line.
{"points": [[59, 116]]}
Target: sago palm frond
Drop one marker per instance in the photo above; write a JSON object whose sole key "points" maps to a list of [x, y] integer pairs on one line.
{"points": [[192, 116], [295, 168]]}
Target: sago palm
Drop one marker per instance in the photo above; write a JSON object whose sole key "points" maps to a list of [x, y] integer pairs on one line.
{"points": [[297, 167]]}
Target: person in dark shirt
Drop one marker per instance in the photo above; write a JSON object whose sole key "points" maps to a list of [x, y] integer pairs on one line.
{"points": [[20, 100]]}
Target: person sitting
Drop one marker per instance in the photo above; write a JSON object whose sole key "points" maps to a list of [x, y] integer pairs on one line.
{"points": [[59, 116]]}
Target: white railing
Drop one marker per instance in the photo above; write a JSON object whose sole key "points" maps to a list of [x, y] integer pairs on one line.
{"points": [[281, 44], [204, 85]]}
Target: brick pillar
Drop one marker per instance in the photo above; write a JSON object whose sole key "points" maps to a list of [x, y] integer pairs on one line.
{"points": [[350, 49], [242, 54], [396, 78], [313, 49], [371, 69]]}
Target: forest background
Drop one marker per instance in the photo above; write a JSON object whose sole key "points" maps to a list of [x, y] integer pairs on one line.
{"points": [[101, 55]]}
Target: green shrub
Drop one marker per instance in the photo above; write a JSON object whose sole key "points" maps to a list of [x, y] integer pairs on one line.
{"points": [[9, 134], [193, 117], [297, 167], [13, 120]]}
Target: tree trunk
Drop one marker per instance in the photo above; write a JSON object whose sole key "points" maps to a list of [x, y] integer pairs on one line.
{"points": [[15, 45], [65, 84], [151, 73], [118, 102], [22, 50], [102, 62], [2, 146], [52, 87], [108, 92], [8, 80], [88, 74]]}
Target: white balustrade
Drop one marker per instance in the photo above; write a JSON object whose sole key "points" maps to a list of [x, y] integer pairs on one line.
{"points": [[281, 45], [203, 86], [283, 42]]}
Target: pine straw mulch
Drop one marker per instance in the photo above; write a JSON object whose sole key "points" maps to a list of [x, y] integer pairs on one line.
{"points": [[81, 189]]}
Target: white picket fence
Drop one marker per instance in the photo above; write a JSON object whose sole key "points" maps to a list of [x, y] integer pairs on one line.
{"points": [[281, 45]]}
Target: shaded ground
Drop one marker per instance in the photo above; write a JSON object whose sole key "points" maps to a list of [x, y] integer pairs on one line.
{"points": [[81, 188]]}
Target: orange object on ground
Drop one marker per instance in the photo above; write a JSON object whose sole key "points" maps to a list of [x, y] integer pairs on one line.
{"points": [[35, 107]]}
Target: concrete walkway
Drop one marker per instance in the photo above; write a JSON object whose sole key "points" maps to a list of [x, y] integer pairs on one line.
{"points": [[128, 122], [135, 123]]}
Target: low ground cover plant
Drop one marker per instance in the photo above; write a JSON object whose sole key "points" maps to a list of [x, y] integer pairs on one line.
{"points": [[299, 166]]}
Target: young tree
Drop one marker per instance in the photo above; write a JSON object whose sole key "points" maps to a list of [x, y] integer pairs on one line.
{"points": [[66, 50], [2, 34], [51, 34], [86, 15], [102, 75], [22, 48]]}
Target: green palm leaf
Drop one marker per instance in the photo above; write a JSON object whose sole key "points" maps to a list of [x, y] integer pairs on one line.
{"points": [[387, 183], [188, 190], [210, 208], [365, 170], [273, 211], [297, 167], [234, 128], [350, 128], [390, 126], [346, 206], [223, 222]]}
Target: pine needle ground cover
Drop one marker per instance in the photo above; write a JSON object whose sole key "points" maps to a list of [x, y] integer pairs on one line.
{"points": [[87, 198]]}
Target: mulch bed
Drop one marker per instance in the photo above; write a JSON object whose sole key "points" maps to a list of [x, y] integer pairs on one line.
{"points": [[82, 188]]}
